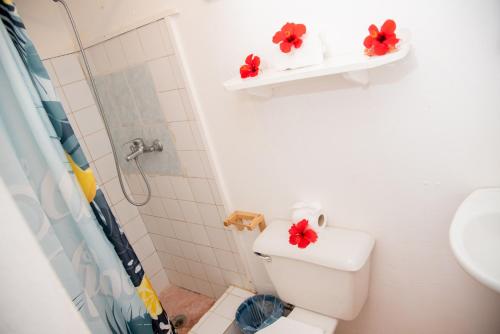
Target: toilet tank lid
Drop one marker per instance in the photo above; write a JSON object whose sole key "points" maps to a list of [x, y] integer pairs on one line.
{"points": [[336, 248]]}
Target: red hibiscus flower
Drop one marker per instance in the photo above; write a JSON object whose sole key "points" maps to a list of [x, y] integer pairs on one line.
{"points": [[251, 67], [289, 35], [378, 43], [301, 234]]}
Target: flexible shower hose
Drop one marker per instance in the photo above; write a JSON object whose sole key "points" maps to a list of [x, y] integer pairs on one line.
{"points": [[101, 112]]}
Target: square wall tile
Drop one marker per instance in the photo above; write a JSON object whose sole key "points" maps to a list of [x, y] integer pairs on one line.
{"points": [[187, 282], [68, 68], [181, 188], [156, 207], [160, 281], [152, 264], [206, 255], [172, 246], [116, 54], [114, 191], [152, 40], [144, 247], [203, 287], [173, 209], [98, 144], [98, 59], [132, 48], [162, 73], [181, 265], [201, 190], [164, 186], [232, 278], [197, 270], [191, 163], [181, 230], [166, 227], [189, 250], [158, 242], [106, 167], [136, 184], [214, 275], [125, 212], [226, 260], [78, 95], [183, 137], [218, 289], [167, 260], [191, 212], [199, 234], [89, 120], [210, 215], [135, 229], [173, 277], [218, 238], [172, 106]]}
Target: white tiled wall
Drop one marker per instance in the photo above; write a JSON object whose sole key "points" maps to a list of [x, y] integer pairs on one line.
{"points": [[180, 233], [73, 90]]}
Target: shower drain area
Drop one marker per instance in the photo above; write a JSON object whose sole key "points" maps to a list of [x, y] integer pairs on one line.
{"points": [[185, 308], [179, 321]]}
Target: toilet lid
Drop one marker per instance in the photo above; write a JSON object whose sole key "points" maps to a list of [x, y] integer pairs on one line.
{"points": [[286, 325]]}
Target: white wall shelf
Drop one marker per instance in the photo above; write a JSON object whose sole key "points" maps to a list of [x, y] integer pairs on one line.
{"points": [[352, 66]]}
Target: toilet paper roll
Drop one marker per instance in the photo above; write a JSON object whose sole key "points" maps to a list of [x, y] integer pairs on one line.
{"points": [[312, 212]]}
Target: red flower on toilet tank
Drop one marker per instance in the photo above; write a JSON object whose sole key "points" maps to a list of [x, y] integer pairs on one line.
{"points": [[301, 234]]}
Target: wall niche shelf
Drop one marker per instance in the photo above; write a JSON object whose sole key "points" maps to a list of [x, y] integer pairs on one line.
{"points": [[352, 66]]}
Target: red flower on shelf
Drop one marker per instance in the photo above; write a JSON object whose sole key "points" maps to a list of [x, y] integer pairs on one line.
{"points": [[289, 35], [301, 234], [251, 67], [378, 43]]}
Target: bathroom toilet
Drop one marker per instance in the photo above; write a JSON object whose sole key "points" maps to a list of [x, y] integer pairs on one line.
{"points": [[326, 281]]}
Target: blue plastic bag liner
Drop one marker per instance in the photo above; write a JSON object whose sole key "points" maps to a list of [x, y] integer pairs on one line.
{"points": [[258, 312]]}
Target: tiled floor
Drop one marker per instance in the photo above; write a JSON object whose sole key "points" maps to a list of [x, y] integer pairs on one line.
{"points": [[181, 301], [220, 318]]}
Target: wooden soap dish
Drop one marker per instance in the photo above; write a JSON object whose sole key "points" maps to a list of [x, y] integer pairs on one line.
{"points": [[248, 220]]}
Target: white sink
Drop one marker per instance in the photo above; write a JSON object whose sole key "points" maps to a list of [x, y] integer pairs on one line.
{"points": [[475, 236]]}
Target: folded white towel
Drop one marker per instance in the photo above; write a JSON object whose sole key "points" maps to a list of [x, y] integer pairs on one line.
{"points": [[287, 326]]}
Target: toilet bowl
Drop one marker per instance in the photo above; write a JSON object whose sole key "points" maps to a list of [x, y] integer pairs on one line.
{"points": [[301, 321], [326, 281]]}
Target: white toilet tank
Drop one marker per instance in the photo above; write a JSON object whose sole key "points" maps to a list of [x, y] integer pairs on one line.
{"points": [[330, 277]]}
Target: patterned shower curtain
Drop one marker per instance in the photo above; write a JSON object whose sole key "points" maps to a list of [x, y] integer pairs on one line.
{"points": [[50, 179]]}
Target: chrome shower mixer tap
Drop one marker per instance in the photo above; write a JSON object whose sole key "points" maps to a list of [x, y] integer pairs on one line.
{"points": [[138, 147]]}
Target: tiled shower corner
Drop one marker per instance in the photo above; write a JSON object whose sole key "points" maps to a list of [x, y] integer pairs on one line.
{"points": [[179, 236]]}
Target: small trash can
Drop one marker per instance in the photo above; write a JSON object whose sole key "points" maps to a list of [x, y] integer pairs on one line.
{"points": [[258, 312]]}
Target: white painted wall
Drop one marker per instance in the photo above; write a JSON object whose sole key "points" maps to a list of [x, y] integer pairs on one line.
{"points": [[394, 159]]}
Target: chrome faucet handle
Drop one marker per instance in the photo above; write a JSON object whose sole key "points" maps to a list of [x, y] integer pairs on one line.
{"points": [[138, 147]]}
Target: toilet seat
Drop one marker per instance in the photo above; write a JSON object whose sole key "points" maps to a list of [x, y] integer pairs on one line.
{"points": [[301, 321]]}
